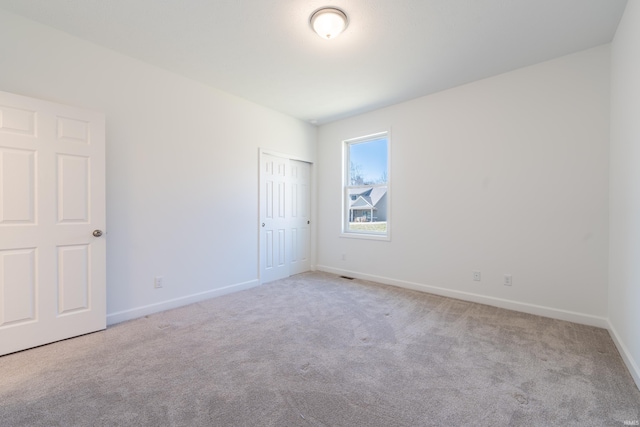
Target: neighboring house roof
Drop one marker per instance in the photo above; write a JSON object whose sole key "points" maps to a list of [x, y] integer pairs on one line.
{"points": [[363, 202], [366, 197]]}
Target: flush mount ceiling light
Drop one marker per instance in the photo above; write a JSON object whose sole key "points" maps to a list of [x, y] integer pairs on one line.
{"points": [[328, 22]]}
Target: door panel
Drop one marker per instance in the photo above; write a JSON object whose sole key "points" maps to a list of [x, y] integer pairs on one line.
{"points": [[18, 285], [73, 278], [73, 189], [17, 186], [300, 178], [17, 120], [273, 229], [52, 269]]}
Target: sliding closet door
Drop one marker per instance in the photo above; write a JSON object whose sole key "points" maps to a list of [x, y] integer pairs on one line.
{"points": [[284, 217], [300, 220]]}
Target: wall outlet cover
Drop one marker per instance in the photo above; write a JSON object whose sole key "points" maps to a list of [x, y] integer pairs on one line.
{"points": [[507, 280]]}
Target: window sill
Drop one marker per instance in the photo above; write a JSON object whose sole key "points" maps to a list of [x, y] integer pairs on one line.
{"points": [[365, 236]]}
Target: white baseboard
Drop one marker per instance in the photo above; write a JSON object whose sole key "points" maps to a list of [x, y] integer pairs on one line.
{"points": [[554, 313], [626, 355], [134, 313]]}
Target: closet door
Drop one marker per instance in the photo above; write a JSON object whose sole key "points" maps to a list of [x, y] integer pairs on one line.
{"points": [[275, 251], [300, 220], [285, 205]]}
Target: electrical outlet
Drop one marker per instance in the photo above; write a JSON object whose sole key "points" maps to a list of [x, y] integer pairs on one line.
{"points": [[343, 257], [476, 276], [157, 282], [507, 280]]}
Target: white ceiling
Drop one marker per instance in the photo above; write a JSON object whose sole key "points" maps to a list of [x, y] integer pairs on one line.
{"points": [[392, 51]]}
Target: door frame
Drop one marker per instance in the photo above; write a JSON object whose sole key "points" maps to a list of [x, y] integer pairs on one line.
{"points": [[312, 199]]}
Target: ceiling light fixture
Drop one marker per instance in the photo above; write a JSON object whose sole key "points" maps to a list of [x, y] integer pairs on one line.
{"points": [[328, 22]]}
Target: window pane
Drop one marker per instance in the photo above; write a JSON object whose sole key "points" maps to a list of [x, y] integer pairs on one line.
{"points": [[367, 209], [368, 162]]}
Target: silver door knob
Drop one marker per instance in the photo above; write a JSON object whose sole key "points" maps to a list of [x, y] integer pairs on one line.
{"points": [[263, 224], [97, 233]]}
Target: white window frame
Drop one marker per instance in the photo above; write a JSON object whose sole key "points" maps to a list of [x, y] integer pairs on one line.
{"points": [[345, 187]]}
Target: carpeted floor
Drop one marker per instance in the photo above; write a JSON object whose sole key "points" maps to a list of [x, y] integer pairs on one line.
{"points": [[318, 350]]}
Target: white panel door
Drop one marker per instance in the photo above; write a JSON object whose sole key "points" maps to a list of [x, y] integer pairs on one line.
{"points": [[300, 220], [285, 206], [274, 217], [52, 199]]}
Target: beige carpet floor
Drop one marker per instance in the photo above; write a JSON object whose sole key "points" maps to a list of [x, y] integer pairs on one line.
{"points": [[318, 350]]}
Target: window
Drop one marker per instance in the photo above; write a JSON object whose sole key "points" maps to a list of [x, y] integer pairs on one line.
{"points": [[366, 187]]}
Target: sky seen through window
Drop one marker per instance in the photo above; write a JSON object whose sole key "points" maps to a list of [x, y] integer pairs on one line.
{"points": [[370, 158]]}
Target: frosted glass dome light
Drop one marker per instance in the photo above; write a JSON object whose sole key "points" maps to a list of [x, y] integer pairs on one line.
{"points": [[328, 22]]}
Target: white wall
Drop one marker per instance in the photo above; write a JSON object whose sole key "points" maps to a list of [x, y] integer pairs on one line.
{"points": [[624, 276], [182, 165], [507, 175]]}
